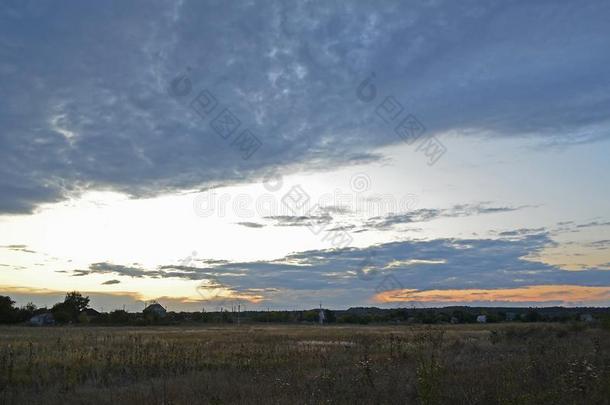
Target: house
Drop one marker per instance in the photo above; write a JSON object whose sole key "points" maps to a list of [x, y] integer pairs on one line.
{"points": [[586, 318], [90, 313], [155, 309], [511, 316], [42, 320], [454, 320], [482, 319]]}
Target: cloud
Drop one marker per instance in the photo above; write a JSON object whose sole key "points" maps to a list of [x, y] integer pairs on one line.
{"points": [[289, 74], [603, 244], [522, 231], [335, 209], [164, 271], [109, 268], [430, 214], [18, 248], [593, 224], [106, 301], [562, 223], [340, 228], [299, 220], [355, 275], [251, 224], [573, 227]]}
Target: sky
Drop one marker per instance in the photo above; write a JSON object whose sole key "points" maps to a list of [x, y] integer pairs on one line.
{"points": [[289, 155]]}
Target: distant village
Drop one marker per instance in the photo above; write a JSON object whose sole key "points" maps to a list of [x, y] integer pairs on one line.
{"points": [[75, 310]]}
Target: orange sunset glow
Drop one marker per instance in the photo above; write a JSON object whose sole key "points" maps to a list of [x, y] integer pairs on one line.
{"points": [[542, 293]]}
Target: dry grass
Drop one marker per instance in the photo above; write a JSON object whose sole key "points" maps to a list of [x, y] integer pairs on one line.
{"points": [[458, 364]]}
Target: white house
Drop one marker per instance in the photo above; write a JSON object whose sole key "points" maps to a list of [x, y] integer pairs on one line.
{"points": [[482, 319], [42, 320]]}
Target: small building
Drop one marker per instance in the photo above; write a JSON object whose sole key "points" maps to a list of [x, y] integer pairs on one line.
{"points": [[454, 320], [511, 316], [90, 313], [586, 318], [155, 309], [42, 320], [482, 319]]}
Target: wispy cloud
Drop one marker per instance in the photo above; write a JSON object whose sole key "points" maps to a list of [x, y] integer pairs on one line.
{"points": [[593, 224], [427, 214], [301, 220], [18, 248], [251, 224]]}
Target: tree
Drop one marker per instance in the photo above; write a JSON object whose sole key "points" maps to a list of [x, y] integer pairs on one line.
{"points": [[26, 312], [532, 316], [70, 309], [62, 313], [76, 300], [30, 307], [119, 316], [7, 311]]}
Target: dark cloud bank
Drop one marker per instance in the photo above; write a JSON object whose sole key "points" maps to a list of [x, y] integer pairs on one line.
{"points": [[355, 273], [85, 100]]}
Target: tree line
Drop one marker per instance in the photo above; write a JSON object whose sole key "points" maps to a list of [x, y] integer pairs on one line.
{"points": [[69, 310], [74, 309]]}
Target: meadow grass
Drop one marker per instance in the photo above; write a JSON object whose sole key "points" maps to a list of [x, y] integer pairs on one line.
{"points": [[306, 364]]}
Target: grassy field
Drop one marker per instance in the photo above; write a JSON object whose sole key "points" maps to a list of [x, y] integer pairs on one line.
{"points": [[456, 364]]}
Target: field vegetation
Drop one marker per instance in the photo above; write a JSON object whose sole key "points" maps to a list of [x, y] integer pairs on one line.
{"points": [[520, 363]]}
